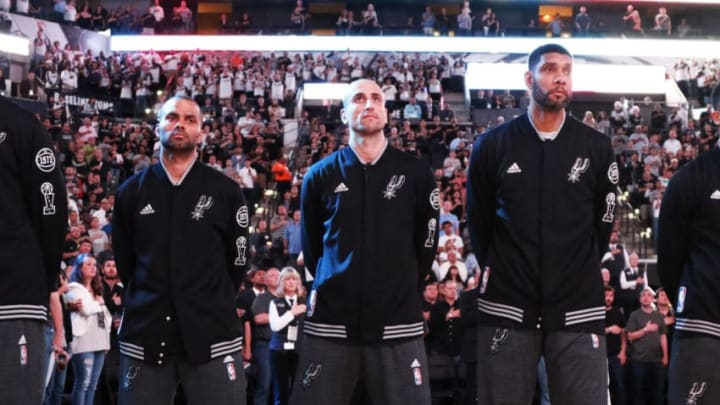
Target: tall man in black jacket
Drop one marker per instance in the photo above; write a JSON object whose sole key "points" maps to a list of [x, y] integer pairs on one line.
{"points": [[541, 198], [369, 234], [180, 233], [33, 220], [689, 265]]}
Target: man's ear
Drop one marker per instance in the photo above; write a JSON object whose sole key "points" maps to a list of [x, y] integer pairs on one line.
{"points": [[342, 116], [529, 80]]}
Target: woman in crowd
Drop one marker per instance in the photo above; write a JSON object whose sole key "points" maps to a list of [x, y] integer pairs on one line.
{"points": [[91, 328], [286, 317]]}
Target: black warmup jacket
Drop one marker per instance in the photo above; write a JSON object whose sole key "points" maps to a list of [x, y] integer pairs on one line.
{"points": [[33, 215], [181, 252], [539, 215], [689, 244], [369, 234]]}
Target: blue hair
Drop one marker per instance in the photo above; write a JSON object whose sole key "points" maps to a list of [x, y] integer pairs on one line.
{"points": [[76, 274]]}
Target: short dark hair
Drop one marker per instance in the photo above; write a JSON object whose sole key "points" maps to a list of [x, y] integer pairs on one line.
{"points": [[535, 55]]}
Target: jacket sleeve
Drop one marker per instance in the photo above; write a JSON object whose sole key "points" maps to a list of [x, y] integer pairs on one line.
{"points": [[426, 224], [673, 231], [45, 194], [123, 233], [605, 196], [238, 243], [481, 197], [311, 221]]}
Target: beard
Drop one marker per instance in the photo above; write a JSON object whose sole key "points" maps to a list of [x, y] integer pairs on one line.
{"points": [[542, 98], [178, 146]]}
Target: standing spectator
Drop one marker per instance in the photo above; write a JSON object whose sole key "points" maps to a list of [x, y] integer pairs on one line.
{"points": [[183, 18], [291, 239], [688, 257], [428, 21], [353, 328], [33, 214], [582, 22], [522, 244], [30, 86], [286, 315], [648, 356], [261, 335], [443, 22], [633, 281], [446, 325], [158, 13], [91, 328], [663, 24], [112, 295], [556, 26], [70, 15], [464, 23], [616, 347], [370, 21], [282, 175], [633, 22], [183, 221], [343, 23], [297, 17]]}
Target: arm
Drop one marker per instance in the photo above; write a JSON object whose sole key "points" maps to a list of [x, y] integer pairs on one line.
{"points": [[625, 284], [481, 202], [260, 309], [426, 224], [44, 192], [605, 195], [674, 230], [623, 349], [237, 242], [58, 340], [311, 221], [664, 347], [247, 344], [123, 235], [278, 323]]}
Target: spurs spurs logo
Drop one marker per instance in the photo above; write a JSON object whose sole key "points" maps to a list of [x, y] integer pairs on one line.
{"points": [[696, 392], [580, 166], [498, 339], [393, 186], [311, 374], [203, 204]]}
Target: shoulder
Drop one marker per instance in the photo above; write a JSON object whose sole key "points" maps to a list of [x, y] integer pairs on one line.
{"points": [[325, 165]]}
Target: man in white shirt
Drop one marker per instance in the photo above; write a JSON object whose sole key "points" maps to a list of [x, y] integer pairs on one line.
{"points": [[450, 236], [453, 259], [672, 144]]}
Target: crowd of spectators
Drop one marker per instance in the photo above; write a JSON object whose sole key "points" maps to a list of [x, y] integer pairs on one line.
{"points": [[244, 98], [365, 20], [245, 141]]}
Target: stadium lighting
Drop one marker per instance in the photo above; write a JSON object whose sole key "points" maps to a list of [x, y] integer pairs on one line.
{"points": [[14, 45], [616, 79], [508, 45]]}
